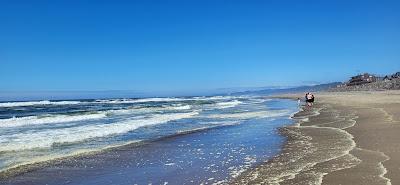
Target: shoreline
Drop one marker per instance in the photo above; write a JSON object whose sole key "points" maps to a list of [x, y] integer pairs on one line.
{"points": [[230, 154], [329, 144], [346, 138], [26, 167]]}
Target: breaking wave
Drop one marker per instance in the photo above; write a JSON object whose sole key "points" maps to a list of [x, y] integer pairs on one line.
{"points": [[33, 103], [37, 120], [230, 104], [149, 109], [146, 100], [48, 138]]}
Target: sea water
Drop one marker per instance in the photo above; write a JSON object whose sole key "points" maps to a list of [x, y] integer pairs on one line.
{"points": [[176, 140]]}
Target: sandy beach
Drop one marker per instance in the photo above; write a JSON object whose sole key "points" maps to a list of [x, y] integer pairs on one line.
{"points": [[346, 138]]}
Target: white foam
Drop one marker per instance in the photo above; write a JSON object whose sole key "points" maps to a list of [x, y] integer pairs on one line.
{"points": [[172, 99], [144, 100], [36, 159], [235, 171], [225, 105], [261, 100], [148, 109], [35, 120], [248, 115], [224, 123], [345, 151], [383, 170], [32, 103], [214, 98], [111, 101], [47, 138], [214, 125], [181, 107]]}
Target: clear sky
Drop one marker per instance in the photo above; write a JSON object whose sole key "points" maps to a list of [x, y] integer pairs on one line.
{"points": [[188, 45]]}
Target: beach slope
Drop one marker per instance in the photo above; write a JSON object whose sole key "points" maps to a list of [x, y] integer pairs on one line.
{"points": [[346, 138]]}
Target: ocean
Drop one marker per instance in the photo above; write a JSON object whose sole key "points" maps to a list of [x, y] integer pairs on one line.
{"points": [[177, 140]]}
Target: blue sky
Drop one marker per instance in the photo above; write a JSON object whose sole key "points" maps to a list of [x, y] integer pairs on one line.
{"points": [[189, 46]]}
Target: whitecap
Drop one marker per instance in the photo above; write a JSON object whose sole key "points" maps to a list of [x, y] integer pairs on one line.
{"points": [[32, 103], [48, 138], [37, 120], [225, 105], [171, 99], [136, 110]]}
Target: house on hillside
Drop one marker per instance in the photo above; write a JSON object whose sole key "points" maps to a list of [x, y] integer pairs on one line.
{"points": [[361, 79], [396, 75], [391, 77], [387, 78]]}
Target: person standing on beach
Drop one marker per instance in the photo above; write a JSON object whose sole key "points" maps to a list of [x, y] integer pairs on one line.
{"points": [[298, 102], [312, 99], [309, 99]]}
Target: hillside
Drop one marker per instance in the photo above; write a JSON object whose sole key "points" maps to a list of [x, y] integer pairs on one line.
{"points": [[367, 82], [313, 88]]}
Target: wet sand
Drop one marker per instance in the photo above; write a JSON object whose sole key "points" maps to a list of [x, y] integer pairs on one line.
{"points": [[346, 138]]}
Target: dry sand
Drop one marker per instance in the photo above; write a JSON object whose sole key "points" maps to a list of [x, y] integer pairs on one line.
{"points": [[346, 138]]}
